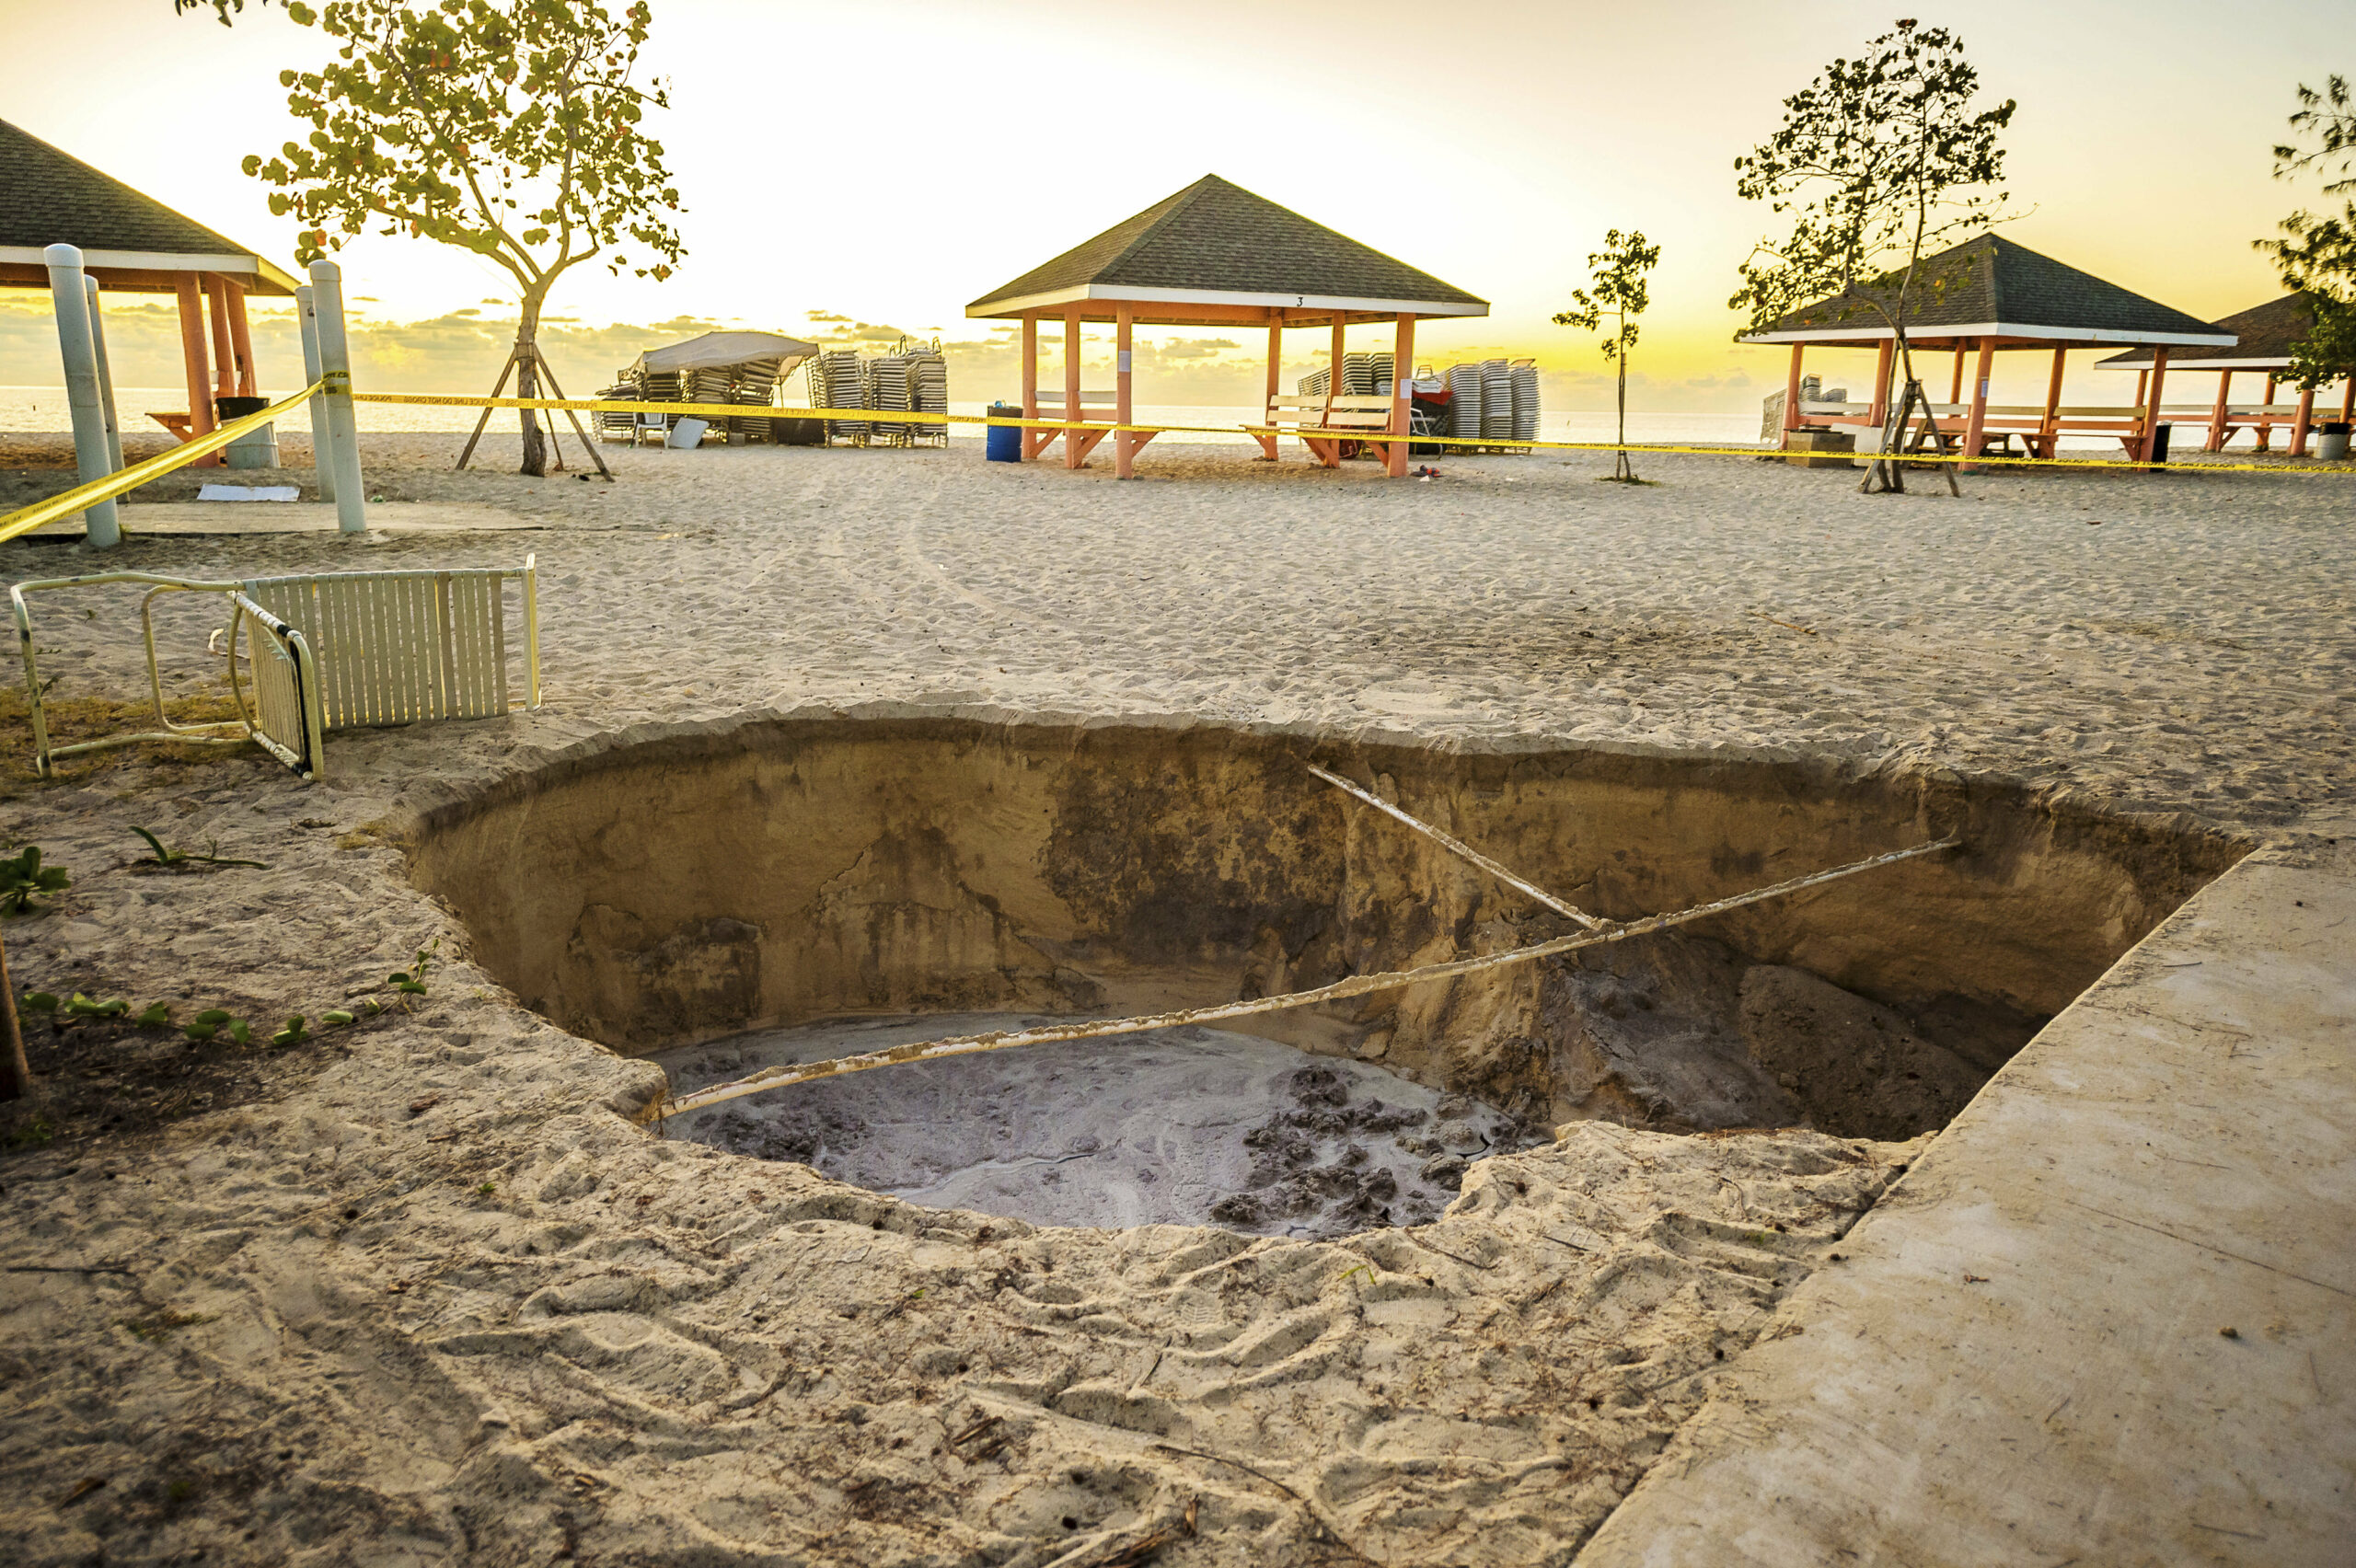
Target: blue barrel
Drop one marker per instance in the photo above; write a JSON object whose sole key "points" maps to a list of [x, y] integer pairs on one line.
{"points": [[1004, 443]]}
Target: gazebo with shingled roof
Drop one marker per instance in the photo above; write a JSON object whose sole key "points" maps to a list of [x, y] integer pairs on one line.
{"points": [[1214, 254], [134, 244], [2264, 336], [1973, 300]]}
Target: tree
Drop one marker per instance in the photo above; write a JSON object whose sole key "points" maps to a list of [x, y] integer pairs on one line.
{"points": [[1617, 272], [2318, 254], [508, 128], [1878, 160]]}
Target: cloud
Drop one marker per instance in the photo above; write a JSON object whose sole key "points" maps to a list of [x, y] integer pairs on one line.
{"points": [[822, 316]]}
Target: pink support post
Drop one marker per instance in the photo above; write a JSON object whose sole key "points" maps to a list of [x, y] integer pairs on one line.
{"points": [[1792, 394], [1075, 453], [1955, 389], [2266, 417], [1975, 425], [200, 373], [2048, 429], [1125, 445], [2302, 420], [1275, 374], [1031, 446], [2151, 410], [1884, 362], [241, 339], [224, 357], [2218, 433], [1402, 394]]}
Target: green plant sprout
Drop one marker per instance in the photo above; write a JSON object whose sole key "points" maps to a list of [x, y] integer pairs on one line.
{"points": [[294, 1034], [23, 879], [168, 857], [157, 1015]]}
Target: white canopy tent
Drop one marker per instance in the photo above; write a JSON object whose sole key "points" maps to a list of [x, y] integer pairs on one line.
{"points": [[716, 350]]}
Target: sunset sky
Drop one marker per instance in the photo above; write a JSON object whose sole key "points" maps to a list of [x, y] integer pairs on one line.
{"points": [[875, 166]]}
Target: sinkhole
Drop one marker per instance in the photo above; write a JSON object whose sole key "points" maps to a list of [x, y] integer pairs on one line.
{"points": [[790, 890]]}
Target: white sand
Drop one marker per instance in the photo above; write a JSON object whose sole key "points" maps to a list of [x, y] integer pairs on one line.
{"points": [[548, 1334]]}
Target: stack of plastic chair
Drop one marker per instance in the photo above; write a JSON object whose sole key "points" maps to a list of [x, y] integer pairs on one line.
{"points": [[1314, 384], [928, 382], [1464, 401], [838, 382], [1525, 399], [886, 378], [754, 384], [612, 423], [1496, 400]]}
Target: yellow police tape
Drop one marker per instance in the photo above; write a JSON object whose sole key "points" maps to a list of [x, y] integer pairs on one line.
{"points": [[82, 497], [896, 415]]}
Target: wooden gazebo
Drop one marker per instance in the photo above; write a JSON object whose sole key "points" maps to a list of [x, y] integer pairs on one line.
{"points": [[1213, 255], [2264, 336], [1980, 297], [134, 244]]}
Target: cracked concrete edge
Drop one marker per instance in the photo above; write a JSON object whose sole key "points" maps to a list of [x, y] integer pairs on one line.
{"points": [[2109, 1316]]}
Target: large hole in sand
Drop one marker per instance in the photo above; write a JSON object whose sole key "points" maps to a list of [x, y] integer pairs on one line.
{"points": [[784, 890]]}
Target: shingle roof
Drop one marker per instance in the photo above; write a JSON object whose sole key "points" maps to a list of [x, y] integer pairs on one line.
{"points": [[1220, 237], [1989, 280], [49, 197], [2268, 331]]}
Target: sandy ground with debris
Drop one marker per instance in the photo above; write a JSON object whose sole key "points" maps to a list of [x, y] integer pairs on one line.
{"points": [[414, 1290]]}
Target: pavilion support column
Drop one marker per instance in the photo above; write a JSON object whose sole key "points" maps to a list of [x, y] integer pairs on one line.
{"points": [[241, 339], [2218, 434], [1955, 389], [2266, 417], [2048, 431], [1403, 395], [1330, 452], [1124, 445], [1276, 379], [1885, 363], [193, 359], [2302, 420], [225, 356], [1975, 424], [1792, 394], [1033, 443], [2151, 410], [1075, 453], [2348, 398]]}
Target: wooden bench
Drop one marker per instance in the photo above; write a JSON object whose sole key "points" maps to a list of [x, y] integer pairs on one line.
{"points": [[1095, 408], [1345, 419]]}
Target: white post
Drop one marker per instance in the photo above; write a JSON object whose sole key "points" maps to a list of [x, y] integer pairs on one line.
{"points": [[71, 301], [322, 462], [343, 428], [106, 376]]}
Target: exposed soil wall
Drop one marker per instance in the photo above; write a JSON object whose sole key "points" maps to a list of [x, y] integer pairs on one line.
{"points": [[695, 886]]}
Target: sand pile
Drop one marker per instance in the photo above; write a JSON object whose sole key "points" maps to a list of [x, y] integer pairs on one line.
{"points": [[1180, 1127]]}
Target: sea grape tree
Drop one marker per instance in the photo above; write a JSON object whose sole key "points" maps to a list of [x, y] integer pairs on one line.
{"points": [[1879, 162], [2317, 252], [513, 128], [1617, 288]]}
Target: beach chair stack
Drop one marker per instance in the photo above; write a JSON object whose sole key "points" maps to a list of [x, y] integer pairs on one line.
{"points": [[928, 384], [1525, 399], [1315, 383], [887, 388], [1464, 401], [1496, 400], [612, 423], [755, 386], [837, 381]]}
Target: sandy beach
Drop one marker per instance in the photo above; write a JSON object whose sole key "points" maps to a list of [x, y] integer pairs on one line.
{"points": [[417, 1291]]}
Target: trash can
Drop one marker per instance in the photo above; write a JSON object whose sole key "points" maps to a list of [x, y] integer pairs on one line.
{"points": [[1003, 444], [2160, 443], [2331, 440], [256, 449]]}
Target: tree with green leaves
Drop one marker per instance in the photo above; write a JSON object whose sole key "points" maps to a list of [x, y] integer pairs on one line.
{"points": [[1880, 161], [1616, 277], [2318, 253], [508, 128]]}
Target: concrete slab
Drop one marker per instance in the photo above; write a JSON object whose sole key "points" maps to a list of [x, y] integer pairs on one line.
{"points": [[237, 518], [2109, 1318]]}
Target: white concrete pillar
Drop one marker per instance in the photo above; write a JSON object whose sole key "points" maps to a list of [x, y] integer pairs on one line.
{"points": [[106, 375], [322, 463], [69, 298], [343, 428]]}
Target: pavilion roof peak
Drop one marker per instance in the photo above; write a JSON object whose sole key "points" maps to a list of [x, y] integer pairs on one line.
{"points": [[1987, 283], [50, 197], [1215, 238]]}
